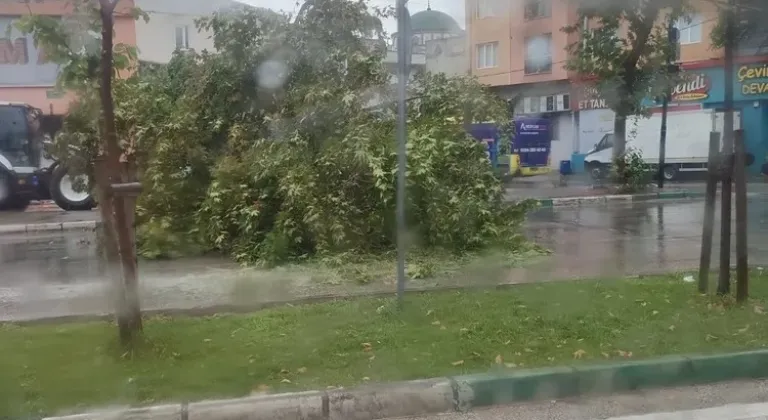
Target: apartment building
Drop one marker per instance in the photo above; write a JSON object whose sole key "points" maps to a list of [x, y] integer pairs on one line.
{"points": [[25, 73], [172, 27], [518, 48]]}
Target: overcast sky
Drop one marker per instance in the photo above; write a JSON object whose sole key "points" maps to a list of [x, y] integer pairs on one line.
{"points": [[454, 8]]}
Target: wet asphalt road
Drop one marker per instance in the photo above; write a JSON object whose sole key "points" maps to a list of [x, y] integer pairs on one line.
{"points": [[46, 275]]}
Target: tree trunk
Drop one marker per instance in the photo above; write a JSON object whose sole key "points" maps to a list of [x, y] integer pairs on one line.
{"points": [[128, 310], [619, 136], [724, 279], [705, 261]]}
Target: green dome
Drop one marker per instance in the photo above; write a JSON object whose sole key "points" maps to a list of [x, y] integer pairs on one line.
{"points": [[434, 21]]}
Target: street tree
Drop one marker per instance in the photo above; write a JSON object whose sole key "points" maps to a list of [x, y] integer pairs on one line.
{"points": [[623, 46], [84, 45], [738, 26], [279, 146]]}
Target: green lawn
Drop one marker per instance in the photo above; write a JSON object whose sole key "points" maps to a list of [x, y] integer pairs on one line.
{"points": [[49, 368]]}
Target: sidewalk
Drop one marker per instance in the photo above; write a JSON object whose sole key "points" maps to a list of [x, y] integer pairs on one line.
{"points": [[578, 190]]}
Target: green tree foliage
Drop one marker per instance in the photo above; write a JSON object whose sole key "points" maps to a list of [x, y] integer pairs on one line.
{"points": [[624, 49], [750, 16], [270, 149]]}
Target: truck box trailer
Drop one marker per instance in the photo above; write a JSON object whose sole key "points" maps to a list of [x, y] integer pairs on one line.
{"points": [[687, 145]]}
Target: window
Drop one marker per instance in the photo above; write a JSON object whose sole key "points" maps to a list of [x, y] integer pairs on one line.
{"points": [[690, 30], [486, 55], [14, 135], [535, 9], [538, 54], [605, 143], [182, 37], [485, 9]]}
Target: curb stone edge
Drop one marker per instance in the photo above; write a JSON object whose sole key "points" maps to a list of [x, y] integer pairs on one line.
{"points": [[49, 227], [460, 393], [613, 198]]}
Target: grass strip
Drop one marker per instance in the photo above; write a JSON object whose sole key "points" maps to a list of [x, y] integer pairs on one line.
{"points": [[51, 369]]}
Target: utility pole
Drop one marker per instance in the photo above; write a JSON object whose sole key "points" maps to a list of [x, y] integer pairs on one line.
{"points": [[672, 37], [403, 64], [740, 181], [724, 277]]}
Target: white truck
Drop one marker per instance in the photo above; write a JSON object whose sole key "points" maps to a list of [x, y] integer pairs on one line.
{"points": [[687, 145]]}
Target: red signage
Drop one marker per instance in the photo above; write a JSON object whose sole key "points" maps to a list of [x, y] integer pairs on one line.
{"points": [[695, 88]]}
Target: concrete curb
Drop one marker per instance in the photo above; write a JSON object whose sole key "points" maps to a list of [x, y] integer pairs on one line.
{"points": [[461, 393], [49, 227], [618, 198]]}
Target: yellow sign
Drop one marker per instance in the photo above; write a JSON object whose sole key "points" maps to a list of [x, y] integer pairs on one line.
{"points": [[753, 79]]}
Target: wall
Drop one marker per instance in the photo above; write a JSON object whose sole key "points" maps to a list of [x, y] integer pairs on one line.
{"points": [[509, 28], [38, 91], [447, 56], [703, 50], [156, 39], [562, 139], [593, 125]]}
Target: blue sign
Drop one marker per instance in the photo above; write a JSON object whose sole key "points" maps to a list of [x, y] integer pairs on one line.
{"points": [[533, 141], [488, 134]]}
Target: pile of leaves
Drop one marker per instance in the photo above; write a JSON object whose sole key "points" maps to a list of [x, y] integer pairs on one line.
{"points": [[271, 148]]}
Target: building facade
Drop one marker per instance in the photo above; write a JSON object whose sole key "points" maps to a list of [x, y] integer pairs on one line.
{"points": [[518, 48], [25, 73], [447, 55], [171, 26]]}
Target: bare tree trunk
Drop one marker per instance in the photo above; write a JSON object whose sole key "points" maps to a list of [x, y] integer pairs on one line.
{"points": [[128, 311], [619, 136], [742, 270], [724, 279], [705, 261]]}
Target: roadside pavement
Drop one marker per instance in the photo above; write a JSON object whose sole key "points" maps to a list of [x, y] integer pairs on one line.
{"points": [[548, 186], [740, 400], [54, 274]]}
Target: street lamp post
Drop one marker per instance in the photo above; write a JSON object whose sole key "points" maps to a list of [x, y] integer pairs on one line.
{"points": [[403, 56]]}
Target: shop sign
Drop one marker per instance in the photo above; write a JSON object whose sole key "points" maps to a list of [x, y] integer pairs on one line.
{"points": [[591, 99], [753, 79], [693, 89]]}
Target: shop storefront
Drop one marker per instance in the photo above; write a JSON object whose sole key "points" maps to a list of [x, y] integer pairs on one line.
{"points": [[751, 98], [702, 88], [705, 88]]}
